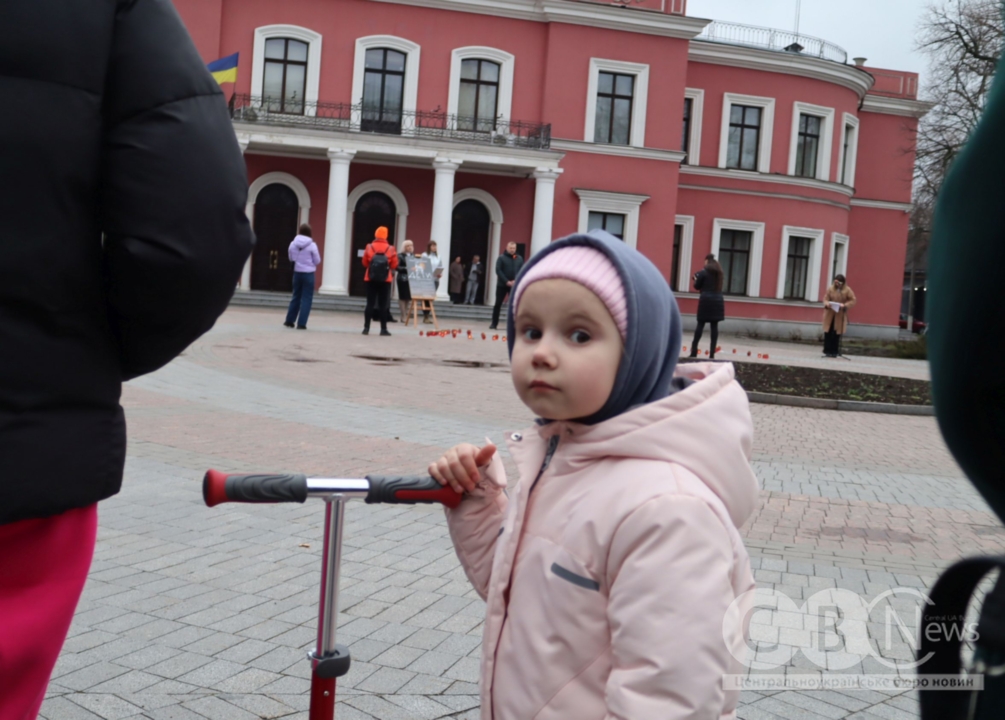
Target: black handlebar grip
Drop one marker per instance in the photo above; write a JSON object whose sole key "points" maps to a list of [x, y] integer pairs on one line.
{"points": [[410, 490], [218, 487]]}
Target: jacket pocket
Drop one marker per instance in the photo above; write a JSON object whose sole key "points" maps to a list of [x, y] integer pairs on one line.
{"points": [[576, 579]]}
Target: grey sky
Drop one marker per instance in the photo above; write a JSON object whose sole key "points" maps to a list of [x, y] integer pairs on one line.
{"points": [[883, 31]]}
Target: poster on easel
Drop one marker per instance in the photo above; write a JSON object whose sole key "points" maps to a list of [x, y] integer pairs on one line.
{"points": [[420, 278]]}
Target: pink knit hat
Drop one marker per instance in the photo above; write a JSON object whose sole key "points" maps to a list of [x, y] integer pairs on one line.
{"points": [[588, 267]]}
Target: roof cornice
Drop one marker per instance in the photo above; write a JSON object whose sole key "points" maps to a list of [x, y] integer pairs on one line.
{"points": [[575, 12], [717, 53], [896, 106]]}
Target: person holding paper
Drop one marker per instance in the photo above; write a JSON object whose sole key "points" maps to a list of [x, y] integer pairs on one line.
{"points": [[837, 300]]}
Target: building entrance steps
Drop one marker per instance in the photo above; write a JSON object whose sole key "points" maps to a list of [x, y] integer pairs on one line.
{"points": [[343, 303]]}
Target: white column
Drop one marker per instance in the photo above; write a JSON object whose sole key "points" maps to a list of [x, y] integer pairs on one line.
{"points": [[443, 210], [544, 206], [245, 282], [334, 275]]}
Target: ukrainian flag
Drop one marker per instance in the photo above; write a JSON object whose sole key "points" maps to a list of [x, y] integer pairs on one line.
{"points": [[224, 69]]}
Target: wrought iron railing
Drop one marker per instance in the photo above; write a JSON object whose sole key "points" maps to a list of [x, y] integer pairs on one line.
{"points": [[769, 39], [430, 124]]}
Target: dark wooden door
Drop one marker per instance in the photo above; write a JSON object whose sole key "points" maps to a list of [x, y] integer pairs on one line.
{"points": [[372, 210], [469, 236], [277, 212]]}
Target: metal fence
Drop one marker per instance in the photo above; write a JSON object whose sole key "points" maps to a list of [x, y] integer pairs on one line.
{"points": [[753, 36], [405, 123]]}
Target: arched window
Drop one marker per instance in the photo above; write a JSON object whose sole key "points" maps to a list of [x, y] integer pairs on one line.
{"points": [[285, 81], [478, 101], [383, 90]]}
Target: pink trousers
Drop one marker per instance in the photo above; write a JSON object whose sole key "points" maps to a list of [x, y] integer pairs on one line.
{"points": [[43, 567]]}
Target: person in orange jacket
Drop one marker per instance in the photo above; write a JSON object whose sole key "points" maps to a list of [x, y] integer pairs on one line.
{"points": [[380, 260]]}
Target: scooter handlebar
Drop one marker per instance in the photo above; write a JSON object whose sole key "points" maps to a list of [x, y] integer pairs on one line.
{"points": [[218, 487], [410, 490]]}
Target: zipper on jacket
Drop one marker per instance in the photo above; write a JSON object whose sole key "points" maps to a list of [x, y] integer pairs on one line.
{"points": [[552, 446]]}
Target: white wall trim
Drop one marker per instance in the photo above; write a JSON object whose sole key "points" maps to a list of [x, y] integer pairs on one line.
{"points": [[400, 207], [767, 127], [637, 134], [627, 204], [313, 40], [896, 106], [716, 53], [412, 50], [495, 232], [619, 150], [504, 104], [826, 146], [291, 181], [816, 259], [686, 248], [847, 119], [882, 205], [766, 178], [839, 239], [697, 97], [756, 250]]}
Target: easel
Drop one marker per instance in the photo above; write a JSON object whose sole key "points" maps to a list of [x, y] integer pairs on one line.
{"points": [[421, 304]]}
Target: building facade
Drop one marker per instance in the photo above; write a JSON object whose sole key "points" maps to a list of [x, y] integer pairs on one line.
{"points": [[481, 122]]}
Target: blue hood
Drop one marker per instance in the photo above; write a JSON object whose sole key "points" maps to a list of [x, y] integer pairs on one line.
{"points": [[654, 325]]}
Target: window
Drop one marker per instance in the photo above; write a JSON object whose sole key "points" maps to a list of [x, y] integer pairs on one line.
{"points": [[285, 82], [678, 235], [617, 213], [685, 142], [383, 90], [614, 223], [797, 267], [808, 146], [839, 255], [734, 256], [616, 97], [849, 151], [614, 108], [478, 100], [744, 137]]}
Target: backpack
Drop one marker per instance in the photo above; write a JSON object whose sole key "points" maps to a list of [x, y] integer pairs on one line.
{"points": [[380, 266]]}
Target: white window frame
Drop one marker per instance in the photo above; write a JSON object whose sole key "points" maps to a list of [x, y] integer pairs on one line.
{"points": [[504, 100], [686, 244], [697, 97], [756, 250], [826, 147], [816, 260], [412, 51], [840, 239], [295, 32], [767, 128], [626, 204], [640, 98], [846, 120]]}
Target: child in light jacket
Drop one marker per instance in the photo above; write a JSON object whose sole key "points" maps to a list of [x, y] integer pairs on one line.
{"points": [[613, 571]]}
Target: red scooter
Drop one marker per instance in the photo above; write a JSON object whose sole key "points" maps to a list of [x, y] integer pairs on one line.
{"points": [[328, 660]]}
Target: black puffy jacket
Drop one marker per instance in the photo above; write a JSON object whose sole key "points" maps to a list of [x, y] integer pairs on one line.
{"points": [[122, 231]]}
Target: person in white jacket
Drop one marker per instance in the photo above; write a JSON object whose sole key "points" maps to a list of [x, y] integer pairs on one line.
{"points": [[616, 581], [305, 258]]}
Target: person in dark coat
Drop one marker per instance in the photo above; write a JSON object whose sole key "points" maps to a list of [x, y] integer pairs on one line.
{"points": [[122, 238], [404, 289], [507, 268], [711, 306]]}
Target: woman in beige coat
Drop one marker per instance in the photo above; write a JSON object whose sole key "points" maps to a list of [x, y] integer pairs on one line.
{"points": [[837, 301]]}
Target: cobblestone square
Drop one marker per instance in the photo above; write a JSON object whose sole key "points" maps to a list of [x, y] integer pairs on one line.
{"points": [[193, 613]]}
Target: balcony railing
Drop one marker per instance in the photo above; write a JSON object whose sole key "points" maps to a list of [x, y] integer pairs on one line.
{"points": [[433, 125], [769, 39]]}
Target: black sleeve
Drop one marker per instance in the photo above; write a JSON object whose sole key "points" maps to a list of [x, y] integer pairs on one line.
{"points": [[174, 190], [500, 274], [699, 279]]}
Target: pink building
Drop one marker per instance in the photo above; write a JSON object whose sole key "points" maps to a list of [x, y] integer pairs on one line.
{"points": [[481, 122]]}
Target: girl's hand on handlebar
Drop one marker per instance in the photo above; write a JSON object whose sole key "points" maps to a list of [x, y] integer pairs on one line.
{"points": [[458, 467]]}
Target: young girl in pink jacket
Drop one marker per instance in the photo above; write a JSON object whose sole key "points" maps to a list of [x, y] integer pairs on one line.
{"points": [[613, 571]]}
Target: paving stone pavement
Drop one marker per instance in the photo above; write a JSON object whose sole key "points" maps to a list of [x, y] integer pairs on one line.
{"points": [[193, 613]]}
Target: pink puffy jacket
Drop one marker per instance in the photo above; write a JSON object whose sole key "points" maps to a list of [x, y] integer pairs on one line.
{"points": [[609, 569]]}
